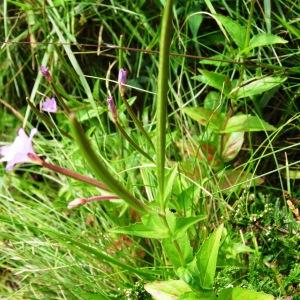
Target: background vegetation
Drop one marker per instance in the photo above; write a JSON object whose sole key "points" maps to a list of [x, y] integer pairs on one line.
{"points": [[51, 252]]}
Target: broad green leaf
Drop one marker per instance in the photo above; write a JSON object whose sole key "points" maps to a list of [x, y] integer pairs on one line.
{"points": [[232, 145], [257, 87], [171, 250], [236, 31], [207, 258], [243, 294], [198, 296], [194, 22], [167, 290], [184, 223], [205, 117], [265, 39], [216, 80], [213, 101], [247, 123], [141, 230], [154, 222]]}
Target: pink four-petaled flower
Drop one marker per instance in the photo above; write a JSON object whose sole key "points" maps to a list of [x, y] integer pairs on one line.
{"points": [[18, 151], [49, 105]]}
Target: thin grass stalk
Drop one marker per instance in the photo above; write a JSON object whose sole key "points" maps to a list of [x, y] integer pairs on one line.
{"points": [[162, 93]]}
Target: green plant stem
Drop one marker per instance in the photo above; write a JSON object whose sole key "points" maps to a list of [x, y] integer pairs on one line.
{"points": [[132, 142], [162, 93], [137, 121], [101, 170], [175, 242], [247, 37]]}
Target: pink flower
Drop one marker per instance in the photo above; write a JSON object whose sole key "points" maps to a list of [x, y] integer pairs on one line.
{"points": [[49, 105], [18, 151], [45, 72], [122, 79]]}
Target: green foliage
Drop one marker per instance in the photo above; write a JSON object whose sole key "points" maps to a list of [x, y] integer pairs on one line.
{"points": [[240, 294], [233, 69], [207, 259]]}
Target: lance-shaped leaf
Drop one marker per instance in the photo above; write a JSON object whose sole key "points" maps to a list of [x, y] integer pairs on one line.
{"points": [[232, 145], [236, 31], [247, 123], [265, 39], [243, 294], [257, 87], [143, 231], [205, 117], [182, 224], [207, 259], [167, 290], [216, 80]]}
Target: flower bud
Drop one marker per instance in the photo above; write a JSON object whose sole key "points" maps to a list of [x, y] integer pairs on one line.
{"points": [[112, 108], [45, 72], [122, 79]]}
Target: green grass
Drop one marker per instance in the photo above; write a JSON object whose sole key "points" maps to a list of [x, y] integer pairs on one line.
{"points": [[50, 252]]}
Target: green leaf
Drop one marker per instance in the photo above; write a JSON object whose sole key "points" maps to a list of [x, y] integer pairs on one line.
{"points": [[169, 182], [194, 22], [213, 101], [184, 223], [141, 230], [232, 145], [236, 31], [198, 296], [219, 60], [152, 227], [167, 290], [207, 258], [243, 294], [172, 252], [257, 86], [216, 80], [247, 123], [205, 117], [265, 39]]}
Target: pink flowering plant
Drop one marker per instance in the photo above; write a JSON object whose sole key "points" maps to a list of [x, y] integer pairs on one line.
{"points": [[143, 199]]}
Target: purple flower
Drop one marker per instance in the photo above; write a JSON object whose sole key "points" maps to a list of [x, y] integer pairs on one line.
{"points": [[20, 151], [49, 105], [45, 72], [122, 79], [112, 108]]}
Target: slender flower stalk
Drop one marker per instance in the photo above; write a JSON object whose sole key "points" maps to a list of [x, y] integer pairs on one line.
{"points": [[81, 201], [132, 142], [122, 79], [74, 175]]}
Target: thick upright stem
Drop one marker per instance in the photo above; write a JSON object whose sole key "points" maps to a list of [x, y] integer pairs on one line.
{"points": [[162, 93]]}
